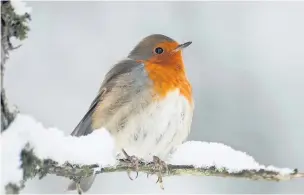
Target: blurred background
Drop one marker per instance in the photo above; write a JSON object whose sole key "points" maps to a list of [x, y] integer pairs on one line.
{"points": [[246, 65]]}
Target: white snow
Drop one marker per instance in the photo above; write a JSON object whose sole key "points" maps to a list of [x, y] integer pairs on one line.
{"points": [[20, 7], [205, 154], [99, 148], [96, 148]]}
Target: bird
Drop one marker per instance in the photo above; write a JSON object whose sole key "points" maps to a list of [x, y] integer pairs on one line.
{"points": [[146, 103]]}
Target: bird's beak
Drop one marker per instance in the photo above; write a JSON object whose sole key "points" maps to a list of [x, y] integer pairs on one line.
{"points": [[182, 46]]}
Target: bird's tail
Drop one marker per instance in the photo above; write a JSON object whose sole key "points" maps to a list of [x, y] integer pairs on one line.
{"points": [[83, 128], [84, 185]]}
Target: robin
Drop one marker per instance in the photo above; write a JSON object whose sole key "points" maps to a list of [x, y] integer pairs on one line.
{"points": [[145, 101]]}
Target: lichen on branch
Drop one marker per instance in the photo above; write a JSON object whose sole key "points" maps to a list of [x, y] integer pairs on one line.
{"points": [[12, 25], [32, 167]]}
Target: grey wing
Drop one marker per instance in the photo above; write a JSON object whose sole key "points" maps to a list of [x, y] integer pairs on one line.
{"points": [[125, 89], [84, 127], [124, 84]]}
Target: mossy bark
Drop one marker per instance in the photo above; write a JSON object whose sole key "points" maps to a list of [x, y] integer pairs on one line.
{"points": [[32, 167], [12, 25]]}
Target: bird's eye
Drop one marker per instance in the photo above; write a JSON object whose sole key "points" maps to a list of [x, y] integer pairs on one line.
{"points": [[159, 50]]}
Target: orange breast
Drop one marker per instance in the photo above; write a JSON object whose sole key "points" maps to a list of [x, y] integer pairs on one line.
{"points": [[168, 75]]}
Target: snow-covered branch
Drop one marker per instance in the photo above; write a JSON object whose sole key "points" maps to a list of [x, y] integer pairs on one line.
{"points": [[41, 168], [14, 24], [31, 150]]}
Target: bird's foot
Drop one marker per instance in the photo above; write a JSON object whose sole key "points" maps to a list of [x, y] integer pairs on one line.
{"points": [[134, 163], [159, 167]]}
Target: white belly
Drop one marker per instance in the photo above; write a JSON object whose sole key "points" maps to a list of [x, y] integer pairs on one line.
{"points": [[157, 129]]}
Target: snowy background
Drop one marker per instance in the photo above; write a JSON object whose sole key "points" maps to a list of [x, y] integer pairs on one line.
{"points": [[246, 65]]}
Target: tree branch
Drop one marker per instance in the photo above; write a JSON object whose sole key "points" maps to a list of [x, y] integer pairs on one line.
{"points": [[12, 25], [34, 167]]}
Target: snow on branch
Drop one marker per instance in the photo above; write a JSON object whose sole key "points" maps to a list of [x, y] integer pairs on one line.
{"points": [[14, 25], [20, 7], [29, 150]]}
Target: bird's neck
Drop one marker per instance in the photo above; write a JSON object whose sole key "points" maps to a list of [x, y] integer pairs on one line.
{"points": [[168, 76]]}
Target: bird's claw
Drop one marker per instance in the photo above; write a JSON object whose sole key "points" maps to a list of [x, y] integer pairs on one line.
{"points": [[158, 167], [134, 163]]}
